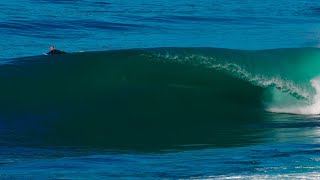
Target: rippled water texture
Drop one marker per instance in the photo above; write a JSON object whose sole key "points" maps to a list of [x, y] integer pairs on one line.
{"points": [[175, 113], [30, 27]]}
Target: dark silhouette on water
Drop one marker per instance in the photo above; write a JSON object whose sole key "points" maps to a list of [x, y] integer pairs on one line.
{"points": [[53, 51]]}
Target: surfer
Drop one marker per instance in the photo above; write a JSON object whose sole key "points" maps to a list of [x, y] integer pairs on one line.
{"points": [[53, 51]]}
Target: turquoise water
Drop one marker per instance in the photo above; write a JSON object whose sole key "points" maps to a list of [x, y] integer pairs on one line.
{"points": [[176, 90]]}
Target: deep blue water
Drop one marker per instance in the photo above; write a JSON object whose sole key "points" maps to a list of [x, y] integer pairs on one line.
{"points": [[261, 145], [30, 27]]}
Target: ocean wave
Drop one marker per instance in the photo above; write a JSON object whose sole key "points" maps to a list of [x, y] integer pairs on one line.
{"points": [[187, 95]]}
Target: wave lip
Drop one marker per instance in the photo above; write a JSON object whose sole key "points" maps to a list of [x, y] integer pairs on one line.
{"points": [[306, 109]]}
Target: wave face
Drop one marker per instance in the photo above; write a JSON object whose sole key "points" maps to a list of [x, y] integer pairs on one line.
{"points": [[161, 97]]}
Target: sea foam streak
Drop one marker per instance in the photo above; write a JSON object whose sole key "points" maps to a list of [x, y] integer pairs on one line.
{"points": [[313, 108]]}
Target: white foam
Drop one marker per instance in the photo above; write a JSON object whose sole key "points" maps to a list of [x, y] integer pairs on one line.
{"points": [[313, 108], [308, 103], [308, 175]]}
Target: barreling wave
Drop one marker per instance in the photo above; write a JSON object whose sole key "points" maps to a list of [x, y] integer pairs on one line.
{"points": [[154, 96], [288, 76]]}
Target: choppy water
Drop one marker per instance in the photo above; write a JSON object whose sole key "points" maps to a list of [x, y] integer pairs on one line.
{"points": [[177, 113], [30, 27]]}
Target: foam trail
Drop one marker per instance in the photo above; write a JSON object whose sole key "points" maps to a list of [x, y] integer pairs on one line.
{"points": [[297, 90], [312, 109], [259, 80]]}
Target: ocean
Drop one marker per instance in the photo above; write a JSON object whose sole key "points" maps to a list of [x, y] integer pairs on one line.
{"points": [[160, 89]]}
